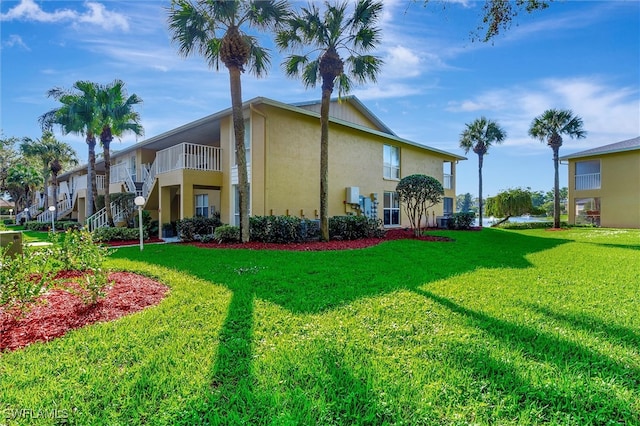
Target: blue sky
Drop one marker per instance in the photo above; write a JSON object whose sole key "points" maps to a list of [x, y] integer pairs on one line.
{"points": [[584, 56]]}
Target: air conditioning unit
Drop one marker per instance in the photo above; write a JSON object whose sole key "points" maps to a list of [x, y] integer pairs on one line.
{"points": [[353, 195], [13, 240]]}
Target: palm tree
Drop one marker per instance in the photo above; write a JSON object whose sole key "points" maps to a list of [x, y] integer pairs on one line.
{"points": [[328, 35], [53, 156], [78, 115], [116, 117], [479, 136], [214, 30], [549, 127], [22, 180]]}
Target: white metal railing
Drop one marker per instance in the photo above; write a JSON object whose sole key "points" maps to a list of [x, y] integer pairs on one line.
{"points": [[588, 181], [33, 211], [96, 220], [447, 181], [62, 208], [119, 212], [188, 156], [119, 173], [149, 179]]}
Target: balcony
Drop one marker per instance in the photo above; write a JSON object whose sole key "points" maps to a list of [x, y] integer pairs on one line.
{"points": [[188, 156], [587, 181]]}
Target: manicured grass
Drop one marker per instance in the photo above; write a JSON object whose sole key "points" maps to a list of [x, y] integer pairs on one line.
{"points": [[497, 327]]}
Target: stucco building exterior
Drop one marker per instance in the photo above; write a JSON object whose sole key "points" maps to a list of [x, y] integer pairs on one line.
{"points": [[190, 171], [604, 185]]}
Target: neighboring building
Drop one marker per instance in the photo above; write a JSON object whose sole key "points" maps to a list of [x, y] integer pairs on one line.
{"points": [[190, 171], [604, 185]]}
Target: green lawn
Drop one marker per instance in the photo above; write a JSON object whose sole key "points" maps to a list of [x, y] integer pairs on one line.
{"points": [[497, 327]]}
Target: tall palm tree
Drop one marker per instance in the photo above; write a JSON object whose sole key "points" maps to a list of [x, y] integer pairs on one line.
{"points": [[213, 29], [78, 115], [116, 117], [549, 127], [478, 136], [329, 35], [53, 156]]}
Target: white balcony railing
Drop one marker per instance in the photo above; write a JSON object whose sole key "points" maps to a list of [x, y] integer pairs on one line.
{"points": [[447, 181], [188, 156], [588, 181], [100, 182]]}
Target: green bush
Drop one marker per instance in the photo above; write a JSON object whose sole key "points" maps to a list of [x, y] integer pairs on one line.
{"points": [[530, 225], [354, 228], [283, 229], [34, 225], [25, 277], [118, 234], [226, 234], [461, 220], [194, 228], [8, 222]]}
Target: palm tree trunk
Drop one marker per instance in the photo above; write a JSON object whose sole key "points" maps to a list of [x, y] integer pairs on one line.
{"points": [[238, 128], [91, 182], [54, 183], [324, 162], [107, 179], [480, 159], [556, 189]]}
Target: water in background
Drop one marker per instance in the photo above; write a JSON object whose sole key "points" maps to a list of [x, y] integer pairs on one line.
{"points": [[488, 221]]}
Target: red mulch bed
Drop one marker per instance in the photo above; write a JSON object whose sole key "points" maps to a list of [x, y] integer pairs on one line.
{"points": [[394, 234], [59, 311]]}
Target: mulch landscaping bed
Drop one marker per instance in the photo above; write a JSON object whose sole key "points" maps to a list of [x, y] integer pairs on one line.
{"points": [[59, 311]]}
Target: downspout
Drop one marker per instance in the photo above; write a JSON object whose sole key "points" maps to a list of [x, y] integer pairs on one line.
{"points": [[265, 159]]}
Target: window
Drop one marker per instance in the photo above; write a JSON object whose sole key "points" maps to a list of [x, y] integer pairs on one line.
{"points": [[202, 205], [447, 175], [391, 209], [247, 142], [391, 160], [587, 175], [588, 211], [447, 209]]}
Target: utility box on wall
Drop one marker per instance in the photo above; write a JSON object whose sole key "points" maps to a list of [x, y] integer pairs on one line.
{"points": [[13, 240], [353, 195]]}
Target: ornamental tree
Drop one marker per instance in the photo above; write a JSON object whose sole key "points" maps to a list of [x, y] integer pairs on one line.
{"points": [[512, 202], [418, 193]]}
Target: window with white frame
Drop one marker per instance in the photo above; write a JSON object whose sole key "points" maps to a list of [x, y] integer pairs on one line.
{"points": [[202, 205], [391, 209], [391, 162], [247, 143], [447, 206]]}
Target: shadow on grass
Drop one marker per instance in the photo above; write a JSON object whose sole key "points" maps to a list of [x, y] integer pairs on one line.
{"points": [[591, 324], [547, 348]]}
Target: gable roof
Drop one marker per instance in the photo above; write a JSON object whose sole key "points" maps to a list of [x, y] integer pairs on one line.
{"points": [[355, 103], [622, 146]]}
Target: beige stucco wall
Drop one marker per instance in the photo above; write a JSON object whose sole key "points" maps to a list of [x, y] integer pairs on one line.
{"points": [[619, 192], [287, 180]]}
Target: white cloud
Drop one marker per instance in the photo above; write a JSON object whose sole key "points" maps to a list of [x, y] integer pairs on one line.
{"points": [[15, 40], [609, 113], [96, 14], [402, 62]]}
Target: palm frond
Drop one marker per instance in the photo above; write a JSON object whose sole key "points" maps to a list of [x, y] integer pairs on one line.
{"points": [[259, 57], [364, 68]]}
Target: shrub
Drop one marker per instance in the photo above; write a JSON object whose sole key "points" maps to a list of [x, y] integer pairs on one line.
{"points": [[227, 234], [194, 228], [34, 225], [20, 283], [283, 229], [8, 222], [530, 225], [461, 220], [354, 227], [118, 234]]}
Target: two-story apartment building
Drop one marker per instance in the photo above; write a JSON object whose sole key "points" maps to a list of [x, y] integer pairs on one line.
{"points": [[191, 170], [604, 185]]}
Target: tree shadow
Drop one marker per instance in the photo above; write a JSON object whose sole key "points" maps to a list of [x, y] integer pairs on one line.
{"points": [[591, 324], [547, 348]]}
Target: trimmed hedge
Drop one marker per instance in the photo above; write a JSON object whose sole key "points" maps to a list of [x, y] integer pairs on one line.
{"points": [[354, 228], [283, 229], [225, 234], [193, 229], [461, 220], [118, 234]]}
